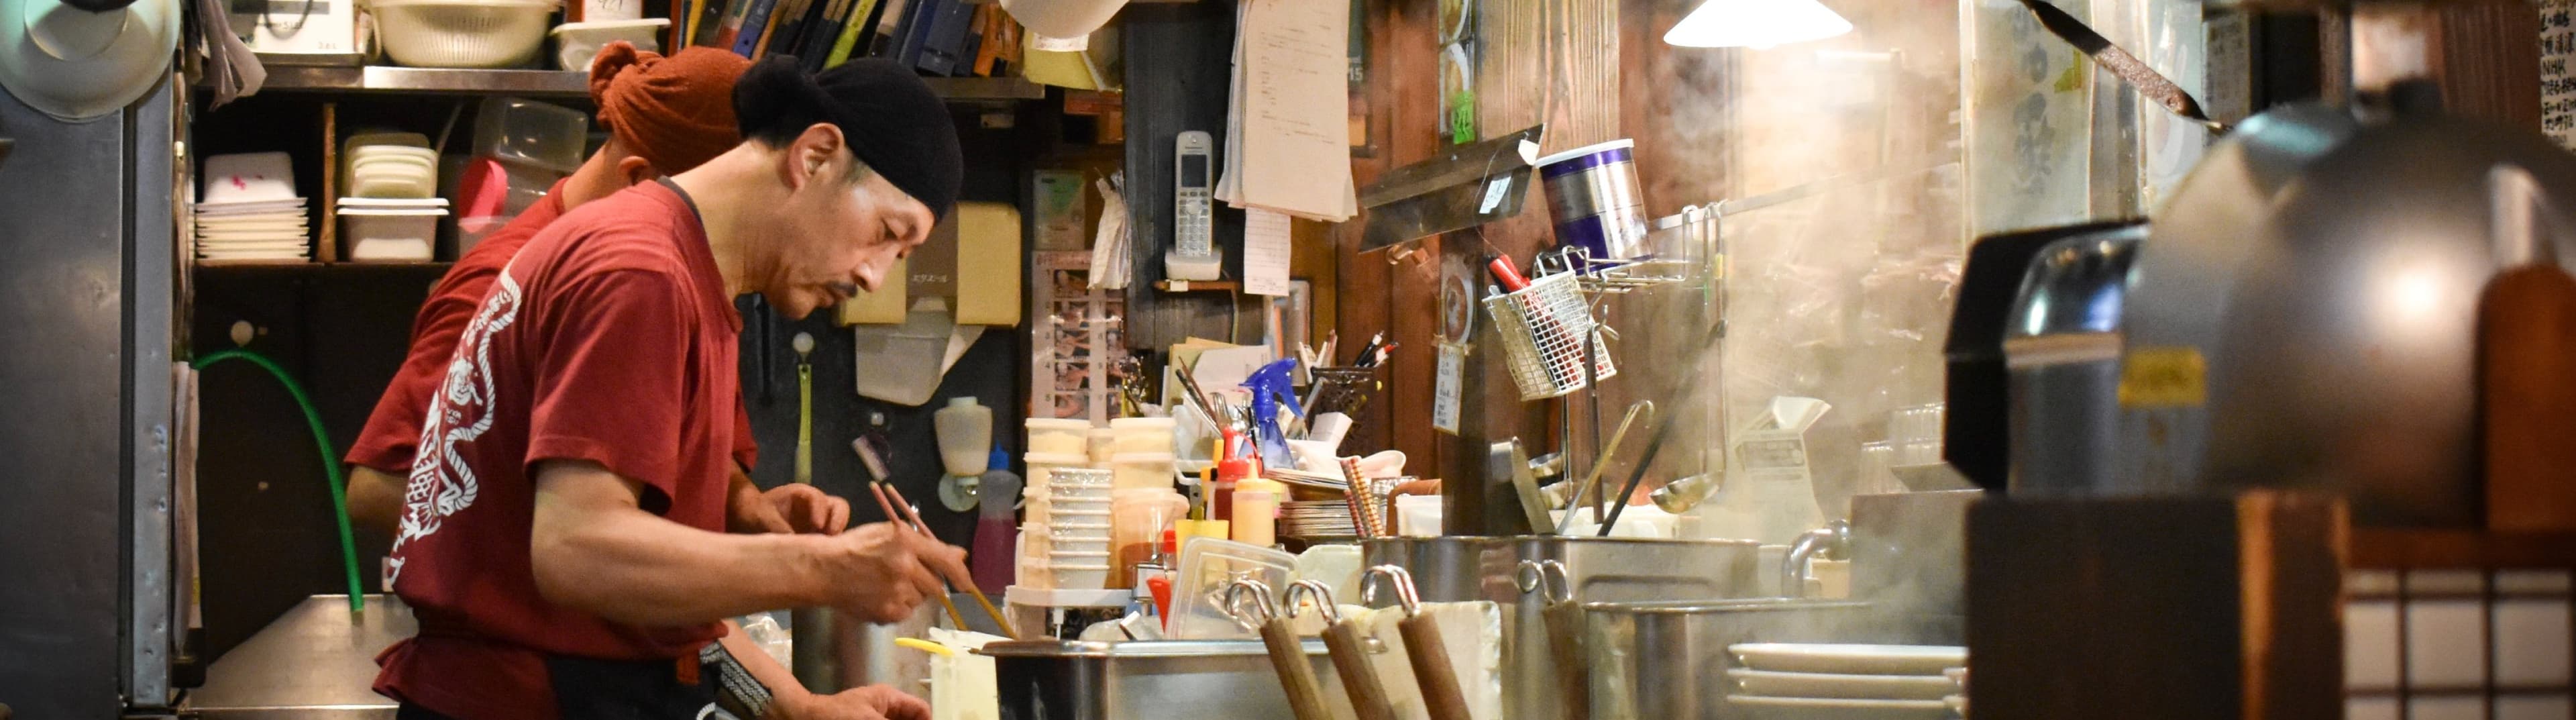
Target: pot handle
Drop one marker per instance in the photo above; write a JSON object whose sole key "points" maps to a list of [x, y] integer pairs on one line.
{"points": [[6, 145]]}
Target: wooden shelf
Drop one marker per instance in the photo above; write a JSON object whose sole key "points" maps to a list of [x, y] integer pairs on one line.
{"points": [[313, 265], [388, 80], [1198, 285]]}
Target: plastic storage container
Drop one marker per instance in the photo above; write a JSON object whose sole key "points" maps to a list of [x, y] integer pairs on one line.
{"points": [[1208, 565], [528, 132], [463, 33], [1142, 435], [1143, 470], [1056, 436], [389, 234], [1138, 519]]}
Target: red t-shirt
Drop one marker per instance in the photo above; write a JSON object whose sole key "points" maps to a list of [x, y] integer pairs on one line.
{"points": [[609, 338], [391, 438]]}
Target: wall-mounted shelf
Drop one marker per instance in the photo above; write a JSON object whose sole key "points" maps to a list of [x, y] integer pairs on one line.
{"points": [[383, 79]]}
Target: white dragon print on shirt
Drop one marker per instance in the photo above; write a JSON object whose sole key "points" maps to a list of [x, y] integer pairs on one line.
{"points": [[441, 484]]}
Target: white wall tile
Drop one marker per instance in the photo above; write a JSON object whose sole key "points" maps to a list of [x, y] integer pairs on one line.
{"points": [[2532, 643], [2527, 582], [2370, 708], [2446, 646], [2370, 645], [2370, 583], [2462, 707], [2525, 707]]}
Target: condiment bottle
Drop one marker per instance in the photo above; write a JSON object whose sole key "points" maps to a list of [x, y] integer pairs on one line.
{"points": [[1256, 511], [1229, 473]]}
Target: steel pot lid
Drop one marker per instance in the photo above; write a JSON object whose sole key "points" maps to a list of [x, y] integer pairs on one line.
{"points": [[2313, 290], [75, 64]]}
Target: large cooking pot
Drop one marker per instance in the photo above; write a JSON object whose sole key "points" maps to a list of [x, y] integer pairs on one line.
{"points": [[1459, 569], [2304, 312]]}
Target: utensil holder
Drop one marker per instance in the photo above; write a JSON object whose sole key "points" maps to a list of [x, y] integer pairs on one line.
{"points": [[1544, 328]]}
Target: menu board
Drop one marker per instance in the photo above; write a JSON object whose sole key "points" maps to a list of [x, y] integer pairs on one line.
{"points": [[2557, 83]]}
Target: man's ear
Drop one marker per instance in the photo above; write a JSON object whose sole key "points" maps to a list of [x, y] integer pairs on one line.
{"points": [[813, 151], [635, 170]]}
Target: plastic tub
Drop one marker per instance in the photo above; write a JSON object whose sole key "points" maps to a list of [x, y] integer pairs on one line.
{"points": [[1100, 547], [1142, 435], [1139, 471], [528, 132], [577, 44], [390, 235], [1056, 437], [1103, 443], [462, 33]]}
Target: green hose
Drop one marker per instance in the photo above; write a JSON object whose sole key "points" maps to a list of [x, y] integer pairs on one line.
{"points": [[330, 461]]}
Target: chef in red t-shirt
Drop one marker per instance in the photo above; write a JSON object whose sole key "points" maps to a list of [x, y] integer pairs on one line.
{"points": [[562, 528], [663, 115]]}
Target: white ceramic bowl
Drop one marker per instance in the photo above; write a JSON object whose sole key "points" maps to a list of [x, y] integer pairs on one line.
{"points": [[463, 33], [248, 178], [577, 44], [1061, 506], [1078, 545], [1080, 578]]}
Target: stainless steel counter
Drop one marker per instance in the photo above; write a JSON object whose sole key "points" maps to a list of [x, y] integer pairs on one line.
{"points": [[316, 662]]}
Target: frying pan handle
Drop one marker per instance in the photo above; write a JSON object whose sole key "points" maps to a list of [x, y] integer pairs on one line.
{"points": [[1430, 659], [6, 145]]}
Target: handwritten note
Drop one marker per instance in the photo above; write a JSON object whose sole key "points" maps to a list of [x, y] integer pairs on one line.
{"points": [[2557, 83], [1291, 107], [1265, 252]]}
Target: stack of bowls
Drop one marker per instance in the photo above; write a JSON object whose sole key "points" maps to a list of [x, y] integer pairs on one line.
{"points": [[1078, 528]]}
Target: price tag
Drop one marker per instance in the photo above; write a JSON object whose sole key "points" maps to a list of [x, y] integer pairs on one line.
{"points": [[1444, 395]]}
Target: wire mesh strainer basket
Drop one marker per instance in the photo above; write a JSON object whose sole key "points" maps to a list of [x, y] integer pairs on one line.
{"points": [[1544, 328]]}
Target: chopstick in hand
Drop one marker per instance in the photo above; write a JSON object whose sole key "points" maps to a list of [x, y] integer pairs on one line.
{"points": [[880, 490], [886, 490]]}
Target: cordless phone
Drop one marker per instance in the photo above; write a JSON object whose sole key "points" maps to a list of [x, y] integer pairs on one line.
{"points": [[1193, 255]]}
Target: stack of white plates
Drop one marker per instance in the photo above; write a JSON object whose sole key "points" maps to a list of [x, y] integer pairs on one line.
{"points": [[388, 165], [1871, 682], [250, 210]]}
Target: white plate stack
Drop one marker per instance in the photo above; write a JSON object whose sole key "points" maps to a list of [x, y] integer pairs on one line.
{"points": [[1078, 527], [249, 210], [1853, 682]]}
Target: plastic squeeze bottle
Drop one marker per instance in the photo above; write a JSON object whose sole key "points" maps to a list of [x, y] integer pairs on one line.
{"points": [[997, 528]]}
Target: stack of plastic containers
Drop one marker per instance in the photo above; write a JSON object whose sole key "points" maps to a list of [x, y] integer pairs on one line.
{"points": [[1078, 527], [1141, 452]]}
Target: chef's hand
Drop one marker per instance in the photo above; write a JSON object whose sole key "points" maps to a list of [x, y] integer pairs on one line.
{"points": [[790, 508], [874, 702], [882, 571]]}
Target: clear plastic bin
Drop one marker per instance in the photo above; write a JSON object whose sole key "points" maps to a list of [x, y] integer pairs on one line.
{"points": [[527, 132]]}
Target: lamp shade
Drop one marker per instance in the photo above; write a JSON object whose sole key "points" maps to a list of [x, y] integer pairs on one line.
{"points": [[1755, 23]]}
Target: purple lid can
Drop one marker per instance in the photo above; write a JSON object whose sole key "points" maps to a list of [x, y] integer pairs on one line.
{"points": [[1593, 195]]}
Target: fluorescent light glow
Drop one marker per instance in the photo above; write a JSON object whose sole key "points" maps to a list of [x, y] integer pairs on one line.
{"points": [[1756, 24]]}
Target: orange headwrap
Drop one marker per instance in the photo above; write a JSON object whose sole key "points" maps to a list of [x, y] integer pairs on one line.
{"points": [[675, 112]]}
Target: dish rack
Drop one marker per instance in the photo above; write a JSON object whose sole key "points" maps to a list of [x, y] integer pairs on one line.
{"points": [[1546, 329]]}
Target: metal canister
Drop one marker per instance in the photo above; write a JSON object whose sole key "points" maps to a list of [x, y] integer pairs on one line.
{"points": [[1592, 190]]}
